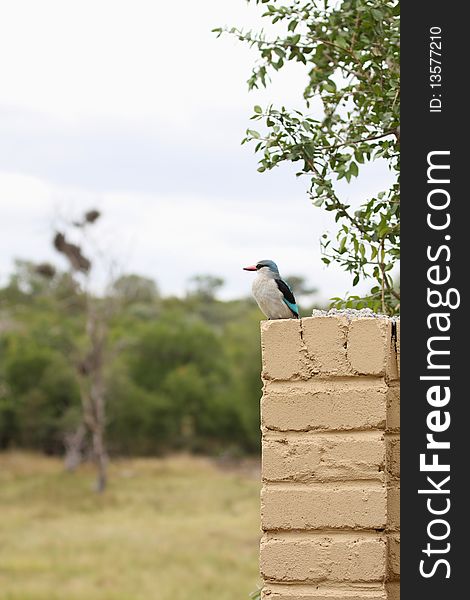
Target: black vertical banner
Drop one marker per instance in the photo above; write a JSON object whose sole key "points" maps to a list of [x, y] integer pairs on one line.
{"points": [[435, 366]]}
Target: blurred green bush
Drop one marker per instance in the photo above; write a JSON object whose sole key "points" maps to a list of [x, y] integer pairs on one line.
{"points": [[180, 374]]}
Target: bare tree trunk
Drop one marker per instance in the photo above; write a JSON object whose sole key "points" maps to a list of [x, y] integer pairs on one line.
{"points": [[93, 393], [98, 403], [74, 444], [101, 459], [90, 369]]}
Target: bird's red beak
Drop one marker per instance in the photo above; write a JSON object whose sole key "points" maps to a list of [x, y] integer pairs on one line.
{"points": [[252, 268]]}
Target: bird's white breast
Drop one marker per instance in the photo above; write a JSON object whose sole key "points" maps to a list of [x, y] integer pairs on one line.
{"points": [[269, 298]]}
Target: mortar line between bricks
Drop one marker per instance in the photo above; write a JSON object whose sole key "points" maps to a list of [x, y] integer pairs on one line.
{"points": [[381, 534], [306, 533], [340, 586], [319, 432], [330, 482], [350, 484], [303, 535], [325, 377], [335, 582], [275, 435]]}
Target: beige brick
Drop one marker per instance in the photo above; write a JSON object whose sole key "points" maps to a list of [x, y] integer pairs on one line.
{"points": [[291, 459], [285, 507], [325, 339], [393, 408], [281, 345], [306, 592], [393, 557], [392, 464], [393, 507], [393, 590], [398, 346], [369, 344], [335, 557], [324, 405], [322, 458]]}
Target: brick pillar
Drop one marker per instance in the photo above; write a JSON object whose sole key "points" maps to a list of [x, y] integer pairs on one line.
{"points": [[330, 425]]}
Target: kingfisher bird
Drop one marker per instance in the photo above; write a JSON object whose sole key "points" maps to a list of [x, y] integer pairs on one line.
{"points": [[273, 294]]}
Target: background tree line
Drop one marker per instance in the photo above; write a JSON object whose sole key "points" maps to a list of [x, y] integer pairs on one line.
{"points": [[179, 373]]}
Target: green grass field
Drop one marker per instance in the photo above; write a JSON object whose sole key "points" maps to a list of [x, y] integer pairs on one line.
{"points": [[167, 529]]}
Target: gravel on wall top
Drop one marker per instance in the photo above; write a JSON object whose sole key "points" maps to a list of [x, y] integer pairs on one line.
{"points": [[351, 313]]}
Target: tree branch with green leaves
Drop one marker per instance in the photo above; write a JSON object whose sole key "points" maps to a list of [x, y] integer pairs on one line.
{"points": [[351, 53]]}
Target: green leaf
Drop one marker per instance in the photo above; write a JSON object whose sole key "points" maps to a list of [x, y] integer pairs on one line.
{"points": [[359, 156], [329, 86], [253, 133], [258, 110]]}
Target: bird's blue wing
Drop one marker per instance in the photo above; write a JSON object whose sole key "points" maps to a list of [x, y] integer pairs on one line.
{"points": [[288, 296]]}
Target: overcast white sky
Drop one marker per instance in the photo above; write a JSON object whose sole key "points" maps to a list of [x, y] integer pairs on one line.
{"points": [[135, 108]]}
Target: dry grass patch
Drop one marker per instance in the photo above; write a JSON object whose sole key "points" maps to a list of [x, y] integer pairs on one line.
{"points": [[167, 529]]}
